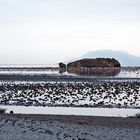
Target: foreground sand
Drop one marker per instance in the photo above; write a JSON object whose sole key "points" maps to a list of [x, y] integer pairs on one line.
{"points": [[53, 127]]}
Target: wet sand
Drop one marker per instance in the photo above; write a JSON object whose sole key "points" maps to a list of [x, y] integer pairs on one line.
{"points": [[48, 127], [61, 78]]}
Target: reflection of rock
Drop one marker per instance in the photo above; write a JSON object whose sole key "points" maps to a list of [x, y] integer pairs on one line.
{"points": [[62, 70], [62, 65], [95, 71], [98, 62]]}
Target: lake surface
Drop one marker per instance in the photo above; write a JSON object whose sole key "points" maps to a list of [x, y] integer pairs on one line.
{"points": [[110, 112], [125, 72], [45, 72]]}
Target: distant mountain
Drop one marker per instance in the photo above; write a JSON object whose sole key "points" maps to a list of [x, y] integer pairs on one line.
{"points": [[123, 57]]}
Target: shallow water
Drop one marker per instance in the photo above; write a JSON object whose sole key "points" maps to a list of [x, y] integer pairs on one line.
{"points": [[126, 72], [110, 112]]}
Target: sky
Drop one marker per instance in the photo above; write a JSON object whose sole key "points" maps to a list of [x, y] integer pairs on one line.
{"points": [[50, 31]]}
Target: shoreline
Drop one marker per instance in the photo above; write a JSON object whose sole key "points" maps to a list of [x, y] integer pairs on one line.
{"points": [[78, 119]]}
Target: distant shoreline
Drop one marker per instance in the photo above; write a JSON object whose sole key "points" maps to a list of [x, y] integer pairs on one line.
{"points": [[61, 78], [89, 120]]}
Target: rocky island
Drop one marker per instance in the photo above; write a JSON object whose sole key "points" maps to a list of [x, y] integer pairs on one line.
{"points": [[94, 67], [98, 62]]}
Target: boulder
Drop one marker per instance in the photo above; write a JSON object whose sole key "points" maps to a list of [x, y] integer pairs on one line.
{"points": [[98, 62], [62, 65]]}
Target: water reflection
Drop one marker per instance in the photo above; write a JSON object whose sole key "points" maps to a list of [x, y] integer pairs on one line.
{"points": [[123, 72], [111, 112], [104, 72]]}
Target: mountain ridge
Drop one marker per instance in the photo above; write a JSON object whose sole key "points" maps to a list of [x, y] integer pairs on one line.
{"points": [[123, 57]]}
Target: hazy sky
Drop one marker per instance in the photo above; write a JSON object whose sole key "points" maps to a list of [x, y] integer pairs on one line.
{"points": [[49, 31]]}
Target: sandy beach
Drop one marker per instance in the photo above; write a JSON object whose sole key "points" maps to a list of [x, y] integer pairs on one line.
{"points": [[57, 127]]}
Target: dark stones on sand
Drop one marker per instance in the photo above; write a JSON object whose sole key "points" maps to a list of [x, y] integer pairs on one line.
{"points": [[11, 112], [74, 94]]}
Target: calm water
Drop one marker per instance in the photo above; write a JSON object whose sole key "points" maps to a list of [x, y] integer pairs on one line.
{"points": [[125, 72], [111, 112]]}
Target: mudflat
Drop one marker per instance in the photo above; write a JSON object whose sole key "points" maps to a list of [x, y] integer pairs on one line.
{"points": [[48, 127]]}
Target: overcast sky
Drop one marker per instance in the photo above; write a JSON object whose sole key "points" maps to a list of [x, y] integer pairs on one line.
{"points": [[49, 31]]}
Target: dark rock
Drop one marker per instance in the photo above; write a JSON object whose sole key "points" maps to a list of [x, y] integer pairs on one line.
{"points": [[11, 112], [98, 62], [95, 67], [62, 65]]}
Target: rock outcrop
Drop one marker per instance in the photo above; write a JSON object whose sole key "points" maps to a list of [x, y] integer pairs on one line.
{"points": [[62, 65], [98, 62], [92, 67]]}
